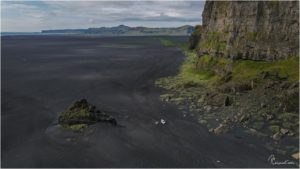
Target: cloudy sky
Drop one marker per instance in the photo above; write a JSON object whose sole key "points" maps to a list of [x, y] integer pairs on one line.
{"points": [[32, 16]]}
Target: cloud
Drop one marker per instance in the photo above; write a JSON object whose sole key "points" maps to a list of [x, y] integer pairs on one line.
{"points": [[38, 15]]}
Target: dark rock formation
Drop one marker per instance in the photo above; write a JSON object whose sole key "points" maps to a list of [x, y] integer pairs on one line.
{"points": [[195, 36], [81, 112], [257, 30]]}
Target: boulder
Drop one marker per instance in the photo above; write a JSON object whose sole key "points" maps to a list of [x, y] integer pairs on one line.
{"points": [[269, 117], [276, 136], [284, 131], [296, 156]]}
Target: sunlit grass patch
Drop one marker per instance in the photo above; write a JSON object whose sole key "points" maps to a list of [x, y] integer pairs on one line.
{"points": [[167, 42]]}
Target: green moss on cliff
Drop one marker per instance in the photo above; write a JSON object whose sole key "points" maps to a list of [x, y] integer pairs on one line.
{"points": [[189, 75], [189, 69], [214, 41], [252, 36]]}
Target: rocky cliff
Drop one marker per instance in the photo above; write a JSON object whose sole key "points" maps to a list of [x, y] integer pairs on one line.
{"points": [[257, 30]]}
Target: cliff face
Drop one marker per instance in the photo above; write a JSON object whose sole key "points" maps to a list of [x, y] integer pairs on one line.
{"points": [[257, 30]]}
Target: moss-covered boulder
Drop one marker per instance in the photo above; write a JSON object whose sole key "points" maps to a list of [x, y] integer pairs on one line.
{"points": [[81, 113]]}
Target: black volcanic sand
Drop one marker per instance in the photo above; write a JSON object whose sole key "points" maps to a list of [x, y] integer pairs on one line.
{"points": [[43, 75]]}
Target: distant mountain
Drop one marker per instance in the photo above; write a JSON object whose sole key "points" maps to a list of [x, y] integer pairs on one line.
{"points": [[123, 30]]}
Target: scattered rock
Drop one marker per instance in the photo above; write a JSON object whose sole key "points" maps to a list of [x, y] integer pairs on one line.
{"points": [[207, 108], [221, 129], [269, 117], [284, 131], [291, 133], [202, 121], [276, 136], [256, 133]]}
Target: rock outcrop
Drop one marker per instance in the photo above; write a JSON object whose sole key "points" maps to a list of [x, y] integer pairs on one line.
{"points": [[82, 113], [256, 30]]}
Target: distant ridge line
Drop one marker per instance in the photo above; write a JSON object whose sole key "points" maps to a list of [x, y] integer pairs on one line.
{"points": [[122, 30]]}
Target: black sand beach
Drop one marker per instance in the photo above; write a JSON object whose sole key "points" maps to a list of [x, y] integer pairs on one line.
{"points": [[43, 75]]}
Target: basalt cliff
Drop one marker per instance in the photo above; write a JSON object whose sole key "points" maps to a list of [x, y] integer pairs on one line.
{"points": [[261, 30]]}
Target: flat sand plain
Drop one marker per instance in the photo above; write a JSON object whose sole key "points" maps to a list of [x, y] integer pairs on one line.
{"points": [[43, 75]]}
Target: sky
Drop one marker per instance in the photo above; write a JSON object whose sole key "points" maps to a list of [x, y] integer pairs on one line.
{"points": [[34, 16]]}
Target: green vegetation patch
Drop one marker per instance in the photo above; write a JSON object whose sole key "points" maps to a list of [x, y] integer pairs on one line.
{"points": [[274, 128], [75, 127], [252, 36], [249, 69], [243, 70], [211, 70], [190, 70], [168, 42], [214, 41]]}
